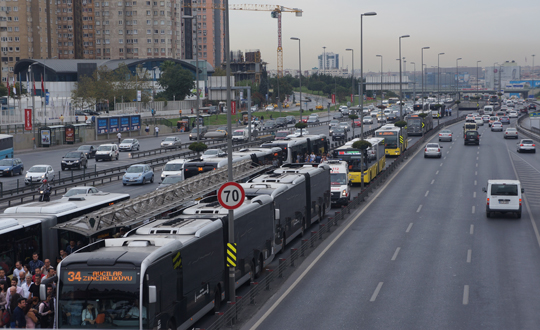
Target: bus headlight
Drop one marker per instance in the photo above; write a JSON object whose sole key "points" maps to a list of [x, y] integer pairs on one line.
{"points": [[344, 193]]}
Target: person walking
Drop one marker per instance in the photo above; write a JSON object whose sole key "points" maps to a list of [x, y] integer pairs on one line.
{"points": [[156, 130], [119, 136], [147, 129], [62, 119]]}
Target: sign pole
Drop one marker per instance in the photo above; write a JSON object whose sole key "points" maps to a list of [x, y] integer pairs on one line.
{"points": [[231, 286]]}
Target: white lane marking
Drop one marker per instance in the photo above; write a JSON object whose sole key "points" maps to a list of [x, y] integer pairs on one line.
{"points": [[409, 140], [437, 173], [475, 172], [476, 158], [474, 194], [476, 164], [466, 295], [419, 208], [432, 181], [427, 193], [471, 231], [478, 152], [473, 209], [323, 252], [377, 289], [395, 254], [444, 158], [448, 152], [441, 163], [409, 228], [469, 255], [475, 182]]}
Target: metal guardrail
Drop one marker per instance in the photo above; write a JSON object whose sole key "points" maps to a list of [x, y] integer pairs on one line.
{"points": [[318, 233]]}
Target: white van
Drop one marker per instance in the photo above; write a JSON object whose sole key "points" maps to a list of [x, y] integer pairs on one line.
{"points": [[240, 135], [173, 167], [488, 110], [339, 177], [503, 196], [107, 151]]}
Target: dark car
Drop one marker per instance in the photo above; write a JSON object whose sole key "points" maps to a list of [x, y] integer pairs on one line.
{"points": [[339, 133], [80, 113], [170, 180], [268, 125], [91, 113], [74, 159], [291, 119], [11, 166], [212, 110], [472, 137], [281, 122], [89, 151], [391, 118], [193, 133], [505, 120], [524, 109], [532, 107]]}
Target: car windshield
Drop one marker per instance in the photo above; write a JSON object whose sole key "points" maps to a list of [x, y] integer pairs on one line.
{"points": [[6, 162], [173, 167], [75, 191], [211, 152], [471, 133], [339, 130], [84, 148], [170, 138], [432, 145], [38, 169], [73, 155], [104, 148], [238, 133], [510, 129], [527, 141], [338, 179], [135, 169], [334, 122], [504, 189], [282, 134], [446, 131], [172, 179], [128, 141]]}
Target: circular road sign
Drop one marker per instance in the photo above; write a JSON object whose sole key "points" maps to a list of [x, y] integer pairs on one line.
{"points": [[231, 195]]}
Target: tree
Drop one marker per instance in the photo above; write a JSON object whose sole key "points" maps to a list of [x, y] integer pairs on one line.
{"points": [[219, 72], [198, 147], [361, 145], [401, 123], [3, 90], [301, 126], [177, 82]]}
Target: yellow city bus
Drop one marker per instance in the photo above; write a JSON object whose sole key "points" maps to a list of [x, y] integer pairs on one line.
{"points": [[374, 159], [395, 139]]}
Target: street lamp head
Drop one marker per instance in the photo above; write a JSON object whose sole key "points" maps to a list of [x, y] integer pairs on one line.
{"points": [[378, 55], [425, 47], [349, 49], [371, 13], [459, 58], [478, 61], [405, 36], [294, 38], [441, 53]]}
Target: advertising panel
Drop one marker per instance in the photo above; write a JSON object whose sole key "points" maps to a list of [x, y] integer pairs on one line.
{"points": [[70, 134], [135, 123], [114, 124], [45, 137], [124, 124], [102, 125], [27, 119]]}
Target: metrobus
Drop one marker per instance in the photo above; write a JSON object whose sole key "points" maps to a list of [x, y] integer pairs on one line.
{"points": [[6, 146], [374, 159], [316, 143], [493, 99], [416, 125], [393, 100], [395, 139], [290, 148], [261, 156], [26, 228], [421, 107], [166, 274]]}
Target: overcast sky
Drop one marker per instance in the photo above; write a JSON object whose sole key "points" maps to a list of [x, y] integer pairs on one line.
{"points": [[490, 31]]}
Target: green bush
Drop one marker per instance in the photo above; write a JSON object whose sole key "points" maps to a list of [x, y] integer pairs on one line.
{"points": [[361, 144], [400, 123], [198, 147]]}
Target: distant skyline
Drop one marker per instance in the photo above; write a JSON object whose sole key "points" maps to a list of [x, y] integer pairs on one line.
{"points": [[494, 31]]}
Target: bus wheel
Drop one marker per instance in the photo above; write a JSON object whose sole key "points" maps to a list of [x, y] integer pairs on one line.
{"points": [[260, 265], [217, 300], [170, 325]]}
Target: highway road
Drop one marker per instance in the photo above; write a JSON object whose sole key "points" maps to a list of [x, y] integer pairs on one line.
{"points": [[421, 253]]}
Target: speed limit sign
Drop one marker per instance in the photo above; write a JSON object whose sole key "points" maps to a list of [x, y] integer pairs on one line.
{"points": [[231, 195]]}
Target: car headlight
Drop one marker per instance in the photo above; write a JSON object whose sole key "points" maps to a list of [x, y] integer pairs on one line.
{"points": [[75, 161], [43, 176], [140, 174]]}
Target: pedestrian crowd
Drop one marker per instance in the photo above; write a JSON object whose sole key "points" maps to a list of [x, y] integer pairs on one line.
{"points": [[312, 158], [20, 303]]}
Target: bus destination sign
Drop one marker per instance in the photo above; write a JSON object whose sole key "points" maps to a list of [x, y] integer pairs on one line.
{"points": [[106, 276]]}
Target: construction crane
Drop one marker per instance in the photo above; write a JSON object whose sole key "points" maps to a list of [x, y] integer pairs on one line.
{"points": [[275, 12]]}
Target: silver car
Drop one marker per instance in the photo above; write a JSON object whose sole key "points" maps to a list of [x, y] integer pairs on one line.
{"points": [[445, 135], [526, 145], [497, 126], [345, 126], [511, 132], [129, 145], [433, 150], [171, 142]]}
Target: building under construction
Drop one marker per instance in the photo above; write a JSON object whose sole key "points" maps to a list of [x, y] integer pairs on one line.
{"points": [[246, 66]]}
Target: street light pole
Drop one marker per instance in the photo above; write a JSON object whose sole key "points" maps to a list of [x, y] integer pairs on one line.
{"points": [[380, 110], [300, 72], [477, 78], [352, 74], [457, 79], [400, 80], [197, 70], [439, 78], [324, 60], [532, 73], [414, 83], [361, 94], [423, 77]]}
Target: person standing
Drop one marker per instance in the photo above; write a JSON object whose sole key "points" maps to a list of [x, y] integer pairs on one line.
{"points": [[156, 129], [26, 287], [46, 310], [119, 136], [18, 269], [35, 262], [46, 266], [62, 119], [19, 320], [147, 129], [72, 247]]}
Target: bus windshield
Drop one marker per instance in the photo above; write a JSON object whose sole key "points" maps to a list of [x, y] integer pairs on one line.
{"points": [[414, 122], [390, 141], [108, 299]]}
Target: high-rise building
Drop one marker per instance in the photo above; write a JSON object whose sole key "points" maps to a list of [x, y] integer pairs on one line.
{"points": [[27, 30], [331, 61]]}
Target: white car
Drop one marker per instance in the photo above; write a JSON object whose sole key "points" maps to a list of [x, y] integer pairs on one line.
{"points": [[173, 167], [171, 142], [38, 173], [270, 108], [297, 133], [512, 114], [479, 121], [503, 196], [213, 153], [254, 108], [83, 190], [367, 120], [129, 145]]}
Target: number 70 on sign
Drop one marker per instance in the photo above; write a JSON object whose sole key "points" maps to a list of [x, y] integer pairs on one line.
{"points": [[231, 195]]}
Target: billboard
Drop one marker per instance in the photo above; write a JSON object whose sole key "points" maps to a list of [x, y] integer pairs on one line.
{"points": [[114, 125], [124, 124], [135, 123], [102, 125], [27, 119]]}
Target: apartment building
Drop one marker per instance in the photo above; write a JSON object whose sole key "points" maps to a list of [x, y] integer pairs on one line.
{"points": [[27, 30]]}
